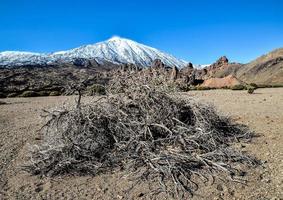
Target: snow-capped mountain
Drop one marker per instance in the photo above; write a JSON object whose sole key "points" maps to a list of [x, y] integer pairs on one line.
{"points": [[18, 58], [116, 50]]}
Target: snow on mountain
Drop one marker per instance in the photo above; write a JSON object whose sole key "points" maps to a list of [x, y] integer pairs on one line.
{"points": [[201, 66], [116, 50], [18, 58]]}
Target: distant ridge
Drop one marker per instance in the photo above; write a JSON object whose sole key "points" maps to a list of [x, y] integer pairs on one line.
{"points": [[265, 70]]}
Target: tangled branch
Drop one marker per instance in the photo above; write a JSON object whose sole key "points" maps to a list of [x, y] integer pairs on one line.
{"points": [[146, 133]]}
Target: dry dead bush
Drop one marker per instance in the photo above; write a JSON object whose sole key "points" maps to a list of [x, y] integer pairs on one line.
{"points": [[130, 81], [147, 134], [2, 103]]}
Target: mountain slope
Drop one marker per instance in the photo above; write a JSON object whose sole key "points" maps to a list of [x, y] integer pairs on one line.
{"points": [[18, 58], [116, 50], [267, 69]]}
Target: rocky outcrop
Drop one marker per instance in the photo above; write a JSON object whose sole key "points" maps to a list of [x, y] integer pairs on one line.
{"points": [[157, 64], [187, 70], [219, 69], [174, 73], [191, 79], [220, 62], [227, 81], [190, 65], [129, 67], [266, 70]]}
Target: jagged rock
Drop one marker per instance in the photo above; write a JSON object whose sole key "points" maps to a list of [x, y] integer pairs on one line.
{"points": [[192, 78], [210, 72], [186, 79], [222, 61], [186, 71], [129, 66], [204, 71], [81, 62], [174, 73], [190, 65], [157, 63]]}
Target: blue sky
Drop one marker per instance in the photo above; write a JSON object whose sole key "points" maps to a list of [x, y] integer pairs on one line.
{"points": [[197, 31]]}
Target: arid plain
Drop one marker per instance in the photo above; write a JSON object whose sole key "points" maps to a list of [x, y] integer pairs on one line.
{"points": [[262, 111]]}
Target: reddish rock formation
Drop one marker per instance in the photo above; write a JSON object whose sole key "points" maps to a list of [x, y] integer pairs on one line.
{"points": [[220, 63], [209, 72], [227, 81]]}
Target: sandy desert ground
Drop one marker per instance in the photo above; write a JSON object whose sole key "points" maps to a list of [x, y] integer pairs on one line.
{"points": [[262, 112]]}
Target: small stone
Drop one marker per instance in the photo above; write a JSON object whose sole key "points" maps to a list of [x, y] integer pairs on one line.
{"points": [[231, 192], [141, 195], [266, 180], [105, 190], [274, 198], [38, 189], [219, 187], [37, 138], [242, 173], [264, 161]]}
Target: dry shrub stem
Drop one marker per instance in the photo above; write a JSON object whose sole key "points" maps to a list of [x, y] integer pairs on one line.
{"points": [[145, 133]]}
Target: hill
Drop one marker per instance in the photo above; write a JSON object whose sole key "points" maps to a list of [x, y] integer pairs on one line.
{"points": [[267, 69]]}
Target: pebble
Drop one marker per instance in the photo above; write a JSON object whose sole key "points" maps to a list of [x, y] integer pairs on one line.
{"points": [[219, 187], [266, 180]]}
